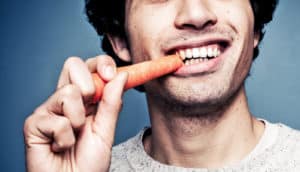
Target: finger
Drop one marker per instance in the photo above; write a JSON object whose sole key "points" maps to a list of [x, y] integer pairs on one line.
{"points": [[104, 65], [49, 129], [67, 101], [92, 64], [75, 71], [109, 107]]}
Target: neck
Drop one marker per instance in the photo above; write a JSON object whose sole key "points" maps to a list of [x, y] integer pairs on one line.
{"points": [[199, 141]]}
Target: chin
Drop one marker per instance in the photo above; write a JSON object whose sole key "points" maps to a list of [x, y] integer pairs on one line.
{"points": [[198, 99], [194, 100], [199, 94]]}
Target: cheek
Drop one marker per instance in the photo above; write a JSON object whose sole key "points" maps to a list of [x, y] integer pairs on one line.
{"points": [[146, 29], [238, 15], [140, 42], [241, 19]]}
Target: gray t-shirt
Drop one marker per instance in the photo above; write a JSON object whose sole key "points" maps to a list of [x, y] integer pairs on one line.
{"points": [[277, 151]]}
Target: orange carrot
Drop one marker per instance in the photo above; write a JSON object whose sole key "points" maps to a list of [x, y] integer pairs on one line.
{"points": [[141, 72]]}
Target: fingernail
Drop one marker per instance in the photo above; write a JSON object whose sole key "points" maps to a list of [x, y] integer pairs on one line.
{"points": [[109, 71]]}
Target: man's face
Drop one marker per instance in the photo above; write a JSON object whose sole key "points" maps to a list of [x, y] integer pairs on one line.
{"points": [[217, 34]]}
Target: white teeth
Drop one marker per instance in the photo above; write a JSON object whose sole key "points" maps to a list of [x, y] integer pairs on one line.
{"points": [[196, 53], [188, 53], [203, 52], [209, 52]]}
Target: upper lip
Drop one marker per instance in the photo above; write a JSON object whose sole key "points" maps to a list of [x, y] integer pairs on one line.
{"points": [[171, 49]]}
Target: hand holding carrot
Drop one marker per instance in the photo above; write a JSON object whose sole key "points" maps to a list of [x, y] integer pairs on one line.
{"points": [[68, 132]]}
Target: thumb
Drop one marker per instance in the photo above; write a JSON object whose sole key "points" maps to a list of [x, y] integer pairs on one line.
{"points": [[106, 118]]}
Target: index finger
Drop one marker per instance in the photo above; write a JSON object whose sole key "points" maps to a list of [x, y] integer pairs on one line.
{"points": [[104, 65], [76, 72]]}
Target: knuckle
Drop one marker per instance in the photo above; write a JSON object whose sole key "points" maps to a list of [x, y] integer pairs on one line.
{"points": [[79, 121], [72, 60], [39, 110], [33, 118], [63, 124], [114, 100], [70, 91], [66, 143], [112, 105], [28, 123], [61, 144]]}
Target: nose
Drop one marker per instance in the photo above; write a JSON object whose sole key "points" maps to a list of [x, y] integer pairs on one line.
{"points": [[194, 14]]}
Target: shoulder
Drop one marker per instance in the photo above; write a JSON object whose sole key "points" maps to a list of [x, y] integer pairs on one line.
{"points": [[288, 136], [282, 135], [121, 154], [285, 152]]}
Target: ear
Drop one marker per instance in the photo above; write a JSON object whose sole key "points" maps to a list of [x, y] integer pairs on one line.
{"points": [[120, 48], [256, 39]]}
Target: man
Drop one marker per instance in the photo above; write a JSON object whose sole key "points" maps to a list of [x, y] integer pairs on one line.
{"points": [[200, 119]]}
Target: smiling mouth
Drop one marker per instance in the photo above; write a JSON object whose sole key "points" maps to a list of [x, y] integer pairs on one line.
{"points": [[200, 54], [202, 57]]}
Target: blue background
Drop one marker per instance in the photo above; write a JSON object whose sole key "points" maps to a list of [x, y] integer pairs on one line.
{"points": [[38, 35]]}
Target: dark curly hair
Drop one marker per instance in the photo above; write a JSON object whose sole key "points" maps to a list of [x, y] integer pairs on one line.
{"points": [[107, 17]]}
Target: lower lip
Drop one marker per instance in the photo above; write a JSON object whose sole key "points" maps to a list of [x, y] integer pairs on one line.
{"points": [[208, 66]]}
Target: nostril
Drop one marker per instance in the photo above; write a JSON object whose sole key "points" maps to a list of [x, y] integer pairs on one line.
{"points": [[190, 26]]}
